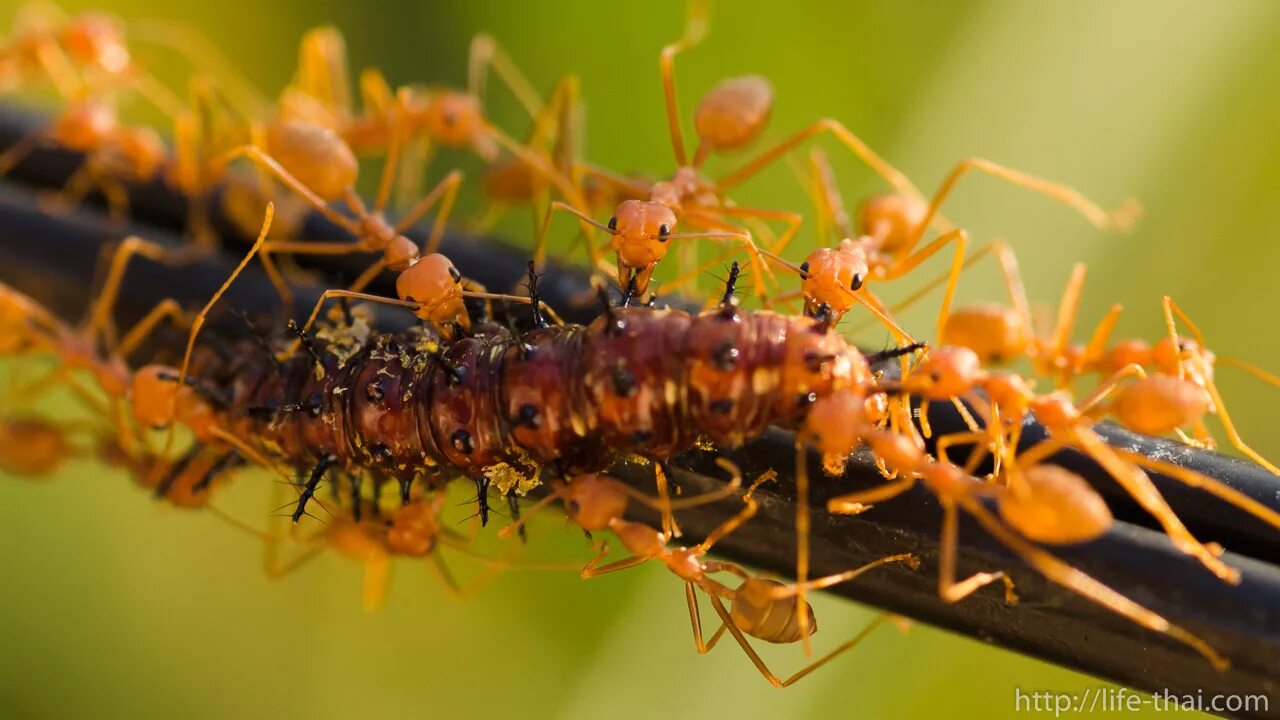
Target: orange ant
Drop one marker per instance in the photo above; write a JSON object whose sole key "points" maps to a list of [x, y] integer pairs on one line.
{"points": [[729, 117], [35, 447], [320, 167], [759, 607], [890, 227], [1040, 503], [1160, 388], [955, 373], [409, 530]]}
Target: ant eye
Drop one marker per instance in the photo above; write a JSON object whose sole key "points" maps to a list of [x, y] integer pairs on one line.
{"points": [[804, 267], [449, 119], [935, 376], [453, 273], [857, 283], [574, 508], [613, 223], [663, 231]]}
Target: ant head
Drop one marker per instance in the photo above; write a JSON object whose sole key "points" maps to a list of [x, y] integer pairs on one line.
{"points": [[85, 125], [641, 232], [994, 332], [734, 112], [436, 286], [31, 446], [315, 155], [455, 119], [1056, 506], [414, 528], [156, 396], [892, 219], [833, 423], [947, 372], [593, 501], [95, 38], [831, 276]]}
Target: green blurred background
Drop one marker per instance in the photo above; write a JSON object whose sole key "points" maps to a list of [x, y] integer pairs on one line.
{"points": [[115, 606]]}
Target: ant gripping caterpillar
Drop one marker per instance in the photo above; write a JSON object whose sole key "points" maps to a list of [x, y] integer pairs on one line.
{"points": [[494, 405]]}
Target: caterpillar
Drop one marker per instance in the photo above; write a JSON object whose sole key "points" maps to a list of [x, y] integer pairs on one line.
{"points": [[497, 405]]}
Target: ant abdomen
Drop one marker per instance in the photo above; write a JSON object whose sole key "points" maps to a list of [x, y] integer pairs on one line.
{"points": [[315, 155], [1159, 404], [758, 611], [734, 112], [1056, 506], [994, 332]]}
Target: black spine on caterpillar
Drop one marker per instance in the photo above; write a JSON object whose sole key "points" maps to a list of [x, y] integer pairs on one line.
{"points": [[642, 381]]}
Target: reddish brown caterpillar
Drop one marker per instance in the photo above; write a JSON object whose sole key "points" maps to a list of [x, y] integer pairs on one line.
{"points": [[495, 406]]}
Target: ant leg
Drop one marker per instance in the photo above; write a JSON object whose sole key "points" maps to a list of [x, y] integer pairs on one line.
{"points": [[1068, 309], [205, 56], [445, 193], [861, 501], [855, 144], [750, 506], [100, 320], [1106, 387], [1085, 585], [540, 248], [486, 55], [1210, 485], [694, 31], [19, 151], [391, 160], [948, 589], [764, 669], [827, 200], [593, 568], [695, 618], [931, 285], [1206, 377], [619, 183], [1138, 484], [1097, 346], [1122, 218], [168, 309], [276, 169], [198, 321], [323, 69], [669, 526], [872, 303]]}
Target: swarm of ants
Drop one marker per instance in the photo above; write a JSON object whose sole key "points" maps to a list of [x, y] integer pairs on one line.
{"points": [[390, 420]]}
